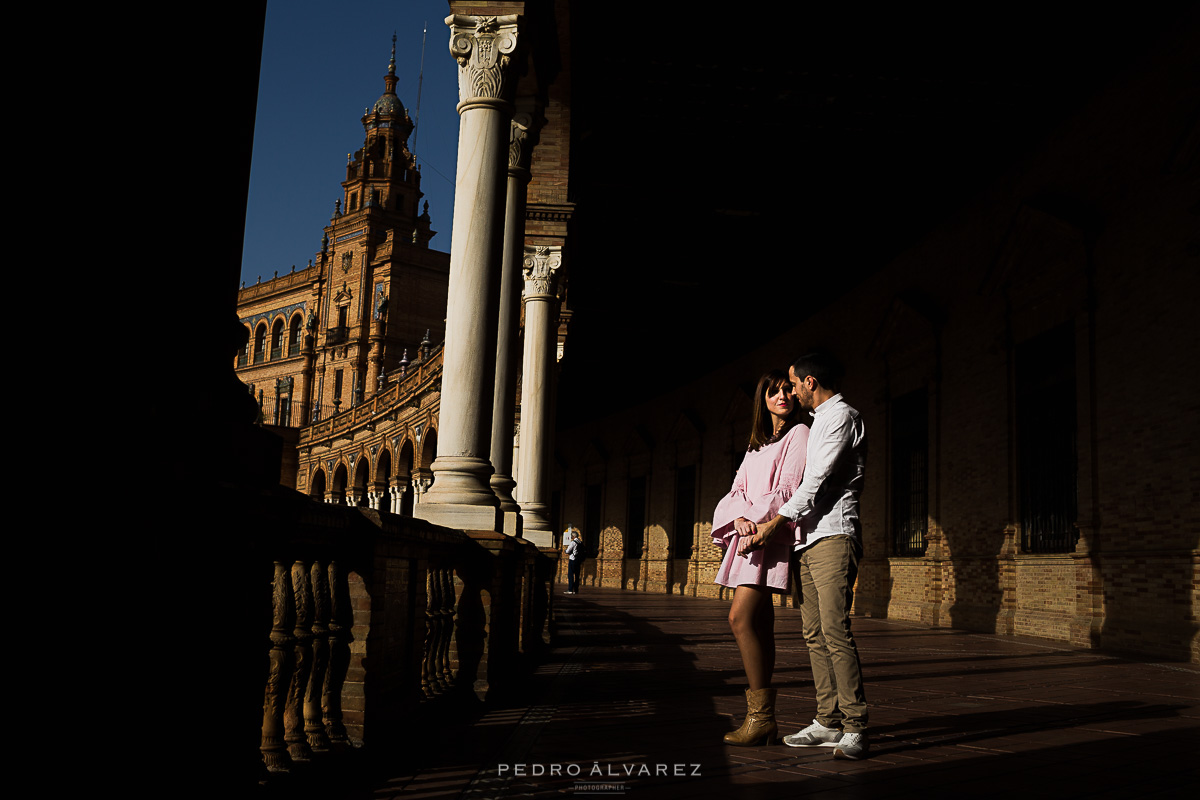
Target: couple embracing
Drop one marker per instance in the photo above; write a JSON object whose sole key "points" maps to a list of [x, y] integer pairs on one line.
{"points": [[793, 510]]}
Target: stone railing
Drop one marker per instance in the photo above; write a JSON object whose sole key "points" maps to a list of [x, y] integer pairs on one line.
{"points": [[278, 283], [421, 376], [378, 621]]}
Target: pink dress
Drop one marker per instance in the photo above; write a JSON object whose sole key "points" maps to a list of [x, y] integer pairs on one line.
{"points": [[766, 480]]}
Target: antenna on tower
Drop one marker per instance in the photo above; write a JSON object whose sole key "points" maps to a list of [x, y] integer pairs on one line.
{"points": [[420, 80]]}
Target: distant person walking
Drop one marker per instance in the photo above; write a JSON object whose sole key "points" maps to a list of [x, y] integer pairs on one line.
{"points": [[769, 475], [826, 560], [574, 551]]}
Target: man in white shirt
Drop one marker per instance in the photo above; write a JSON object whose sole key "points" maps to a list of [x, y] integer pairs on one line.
{"points": [[573, 549], [826, 562]]}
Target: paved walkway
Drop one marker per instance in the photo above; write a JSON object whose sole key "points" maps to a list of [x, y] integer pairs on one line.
{"points": [[635, 698]]}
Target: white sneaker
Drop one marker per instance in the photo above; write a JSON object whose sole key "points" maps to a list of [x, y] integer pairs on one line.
{"points": [[852, 746], [815, 735]]}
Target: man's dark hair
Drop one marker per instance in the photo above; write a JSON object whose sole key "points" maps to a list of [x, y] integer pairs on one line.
{"points": [[822, 366]]}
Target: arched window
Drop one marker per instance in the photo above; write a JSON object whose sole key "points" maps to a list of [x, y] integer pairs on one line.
{"points": [[294, 336], [260, 343], [244, 355], [277, 340]]}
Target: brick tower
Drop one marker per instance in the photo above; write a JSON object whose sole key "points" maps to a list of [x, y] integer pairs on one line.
{"points": [[322, 339], [385, 288]]}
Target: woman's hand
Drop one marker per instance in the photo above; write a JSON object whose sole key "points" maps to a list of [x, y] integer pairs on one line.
{"points": [[744, 527], [749, 544], [763, 534]]}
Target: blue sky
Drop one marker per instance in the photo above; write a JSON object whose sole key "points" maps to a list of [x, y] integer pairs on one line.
{"points": [[322, 64]]}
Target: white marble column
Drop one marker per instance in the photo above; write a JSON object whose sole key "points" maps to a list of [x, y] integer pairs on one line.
{"points": [[461, 495], [521, 142], [541, 268]]}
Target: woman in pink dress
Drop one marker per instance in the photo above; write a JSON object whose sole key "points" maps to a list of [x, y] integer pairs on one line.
{"points": [[770, 473]]}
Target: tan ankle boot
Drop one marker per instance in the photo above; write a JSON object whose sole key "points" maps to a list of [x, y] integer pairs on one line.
{"points": [[759, 726]]}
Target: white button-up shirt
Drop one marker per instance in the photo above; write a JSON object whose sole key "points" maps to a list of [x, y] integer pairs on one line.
{"points": [[826, 504]]}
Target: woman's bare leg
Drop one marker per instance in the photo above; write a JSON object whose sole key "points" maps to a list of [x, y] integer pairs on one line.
{"points": [[752, 618]]}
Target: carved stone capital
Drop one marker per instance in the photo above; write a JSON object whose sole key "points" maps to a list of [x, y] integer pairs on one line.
{"points": [[520, 143], [484, 48], [527, 121], [540, 268]]}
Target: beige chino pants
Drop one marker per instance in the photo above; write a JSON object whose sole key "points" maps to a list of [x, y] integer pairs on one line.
{"points": [[827, 572]]}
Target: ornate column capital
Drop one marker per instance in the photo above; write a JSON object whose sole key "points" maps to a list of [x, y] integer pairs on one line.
{"points": [[540, 268], [484, 48], [520, 145], [523, 135]]}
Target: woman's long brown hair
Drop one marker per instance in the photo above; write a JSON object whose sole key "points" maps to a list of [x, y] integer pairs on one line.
{"points": [[762, 424]]}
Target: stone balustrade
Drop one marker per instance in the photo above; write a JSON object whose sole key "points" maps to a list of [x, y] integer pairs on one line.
{"points": [[378, 621], [421, 376], [289, 280]]}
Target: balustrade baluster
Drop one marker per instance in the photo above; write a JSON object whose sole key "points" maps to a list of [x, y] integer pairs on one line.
{"points": [[436, 626], [313, 628], [279, 675], [314, 728], [341, 621], [447, 576], [428, 685], [293, 714]]}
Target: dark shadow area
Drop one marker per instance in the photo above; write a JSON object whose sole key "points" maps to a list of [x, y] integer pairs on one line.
{"points": [[951, 673], [1163, 629], [650, 681], [616, 689], [1155, 766], [963, 729], [822, 146]]}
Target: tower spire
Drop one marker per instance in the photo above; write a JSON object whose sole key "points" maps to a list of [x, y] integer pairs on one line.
{"points": [[390, 80]]}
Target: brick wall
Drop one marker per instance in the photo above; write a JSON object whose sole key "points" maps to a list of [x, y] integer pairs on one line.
{"points": [[1121, 277]]}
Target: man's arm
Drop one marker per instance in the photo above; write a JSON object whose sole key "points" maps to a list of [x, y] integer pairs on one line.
{"points": [[823, 456], [765, 531]]}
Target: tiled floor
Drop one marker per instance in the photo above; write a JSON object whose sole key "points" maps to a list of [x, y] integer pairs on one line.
{"points": [[636, 695]]}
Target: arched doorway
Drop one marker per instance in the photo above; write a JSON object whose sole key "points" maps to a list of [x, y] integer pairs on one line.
{"points": [[339, 484], [404, 479], [316, 486], [360, 481], [383, 469]]}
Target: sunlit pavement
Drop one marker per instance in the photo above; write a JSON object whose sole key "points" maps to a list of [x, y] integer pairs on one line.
{"points": [[636, 695]]}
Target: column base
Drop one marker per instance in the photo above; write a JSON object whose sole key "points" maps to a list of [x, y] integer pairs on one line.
{"points": [[512, 522], [460, 516], [535, 524], [461, 480], [539, 538], [503, 485]]}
